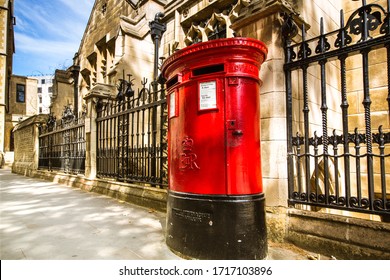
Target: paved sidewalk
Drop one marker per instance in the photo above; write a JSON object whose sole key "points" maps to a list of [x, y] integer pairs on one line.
{"points": [[42, 220]]}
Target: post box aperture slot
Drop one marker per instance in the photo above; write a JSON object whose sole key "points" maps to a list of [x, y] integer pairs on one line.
{"points": [[211, 69], [173, 81]]}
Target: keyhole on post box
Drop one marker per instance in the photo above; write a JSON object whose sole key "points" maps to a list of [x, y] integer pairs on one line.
{"points": [[232, 126], [238, 133]]}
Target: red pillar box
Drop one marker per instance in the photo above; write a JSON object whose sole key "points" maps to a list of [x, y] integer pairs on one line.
{"points": [[215, 199]]}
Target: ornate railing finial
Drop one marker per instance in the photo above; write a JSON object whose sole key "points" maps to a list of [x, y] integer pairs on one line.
{"points": [[289, 28]]}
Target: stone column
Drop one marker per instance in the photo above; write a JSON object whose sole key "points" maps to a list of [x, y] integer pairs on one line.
{"points": [[98, 96], [262, 20], [75, 69]]}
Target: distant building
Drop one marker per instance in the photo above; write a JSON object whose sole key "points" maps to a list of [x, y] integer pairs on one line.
{"points": [[22, 105], [63, 91], [7, 49], [44, 93]]}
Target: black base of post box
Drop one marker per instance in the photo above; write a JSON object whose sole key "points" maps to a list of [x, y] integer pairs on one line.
{"points": [[217, 227]]}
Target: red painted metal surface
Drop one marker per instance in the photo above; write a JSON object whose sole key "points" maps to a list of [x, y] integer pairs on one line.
{"points": [[214, 117]]}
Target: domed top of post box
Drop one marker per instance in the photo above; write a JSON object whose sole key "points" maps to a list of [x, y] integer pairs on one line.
{"points": [[244, 51]]}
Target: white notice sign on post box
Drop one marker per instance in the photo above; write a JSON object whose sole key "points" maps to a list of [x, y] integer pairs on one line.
{"points": [[172, 105], [208, 95]]}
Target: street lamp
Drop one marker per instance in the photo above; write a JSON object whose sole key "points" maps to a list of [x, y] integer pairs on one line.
{"points": [[157, 28]]}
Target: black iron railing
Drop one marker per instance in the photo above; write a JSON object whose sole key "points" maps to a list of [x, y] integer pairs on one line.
{"points": [[62, 144], [131, 136], [347, 167]]}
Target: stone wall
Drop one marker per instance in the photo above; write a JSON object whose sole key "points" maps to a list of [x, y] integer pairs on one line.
{"points": [[338, 236], [27, 145]]}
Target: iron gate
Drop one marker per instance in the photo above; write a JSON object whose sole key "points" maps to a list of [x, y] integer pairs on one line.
{"points": [[131, 136], [346, 168], [62, 144]]}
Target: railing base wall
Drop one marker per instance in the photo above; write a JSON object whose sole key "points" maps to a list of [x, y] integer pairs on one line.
{"points": [[276, 218], [149, 197], [24, 168], [338, 236]]}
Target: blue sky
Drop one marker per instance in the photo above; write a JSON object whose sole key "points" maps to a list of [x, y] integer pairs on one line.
{"points": [[48, 34]]}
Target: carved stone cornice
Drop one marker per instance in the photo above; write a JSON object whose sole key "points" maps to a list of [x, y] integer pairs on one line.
{"points": [[262, 8], [198, 15], [63, 76], [135, 3], [101, 91], [136, 24], [137, 27]]}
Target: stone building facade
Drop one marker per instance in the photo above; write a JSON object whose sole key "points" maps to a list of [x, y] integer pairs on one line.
{"points": [[44, 92], [109, 52], [23, 103], [63, 92], [7, 48], [117, 43]]}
